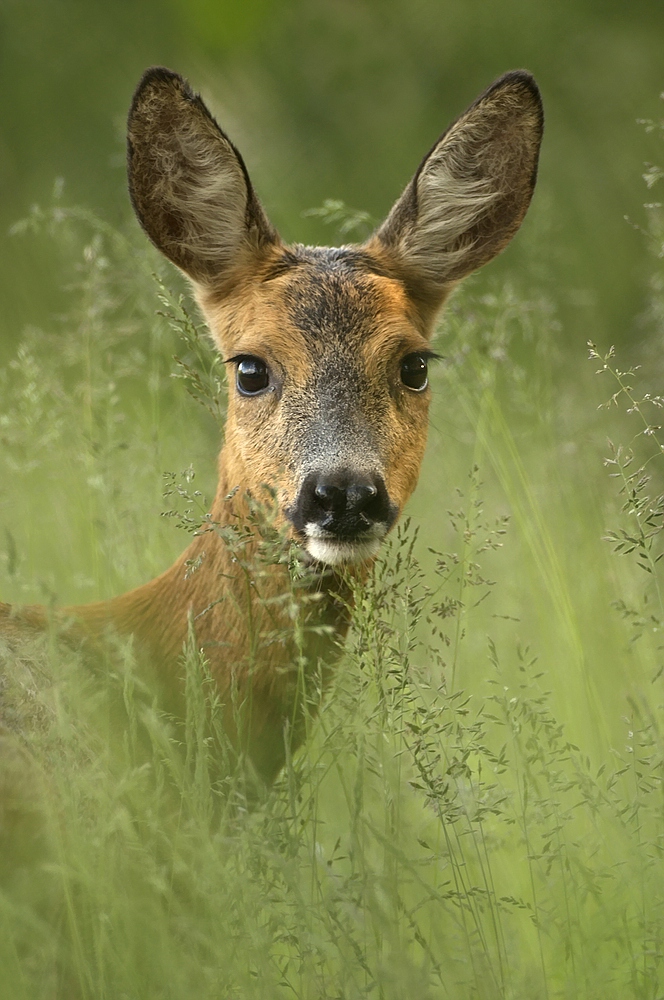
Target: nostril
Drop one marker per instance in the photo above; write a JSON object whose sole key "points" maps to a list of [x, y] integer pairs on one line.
{"points": [[359, 496], [330, 496]]}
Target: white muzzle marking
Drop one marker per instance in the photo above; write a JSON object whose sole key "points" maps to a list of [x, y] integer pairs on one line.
{"points": [[324, 547]]}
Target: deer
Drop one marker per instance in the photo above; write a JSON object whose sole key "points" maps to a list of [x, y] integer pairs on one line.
{"points": [[327, 350]]}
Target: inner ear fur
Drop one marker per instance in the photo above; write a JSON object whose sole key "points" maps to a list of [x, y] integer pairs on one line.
{"points": [[469, 194], [188, 183]]}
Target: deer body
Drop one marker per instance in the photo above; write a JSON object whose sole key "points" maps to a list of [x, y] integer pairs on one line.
{"points": [[328, 400]]}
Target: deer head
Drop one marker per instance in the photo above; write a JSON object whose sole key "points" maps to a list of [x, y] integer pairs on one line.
{"points": [[329, 347]]}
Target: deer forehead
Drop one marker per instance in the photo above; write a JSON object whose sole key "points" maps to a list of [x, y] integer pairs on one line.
{"points": [[320, 311]]}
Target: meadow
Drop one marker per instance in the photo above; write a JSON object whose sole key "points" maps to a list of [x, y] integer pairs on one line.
{"points": [[478, 809]]}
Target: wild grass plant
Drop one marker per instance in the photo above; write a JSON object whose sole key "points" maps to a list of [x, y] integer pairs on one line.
{"points": [[477, 812]]}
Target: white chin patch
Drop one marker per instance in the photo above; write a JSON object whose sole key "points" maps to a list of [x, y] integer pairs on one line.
{"points": [[332, 552]]}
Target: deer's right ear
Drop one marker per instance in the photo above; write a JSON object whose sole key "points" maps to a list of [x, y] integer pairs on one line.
{"points": [[188, 183]]}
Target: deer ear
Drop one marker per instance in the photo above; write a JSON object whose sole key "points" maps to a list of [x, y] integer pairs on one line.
{"points": [[188, 183], [470, 193]]}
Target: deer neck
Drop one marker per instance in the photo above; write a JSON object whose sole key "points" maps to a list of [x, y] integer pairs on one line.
{"points": [[247, 614], [270, 641]]}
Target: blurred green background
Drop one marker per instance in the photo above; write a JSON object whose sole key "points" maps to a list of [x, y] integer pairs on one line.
{"points": [[340, 99]]}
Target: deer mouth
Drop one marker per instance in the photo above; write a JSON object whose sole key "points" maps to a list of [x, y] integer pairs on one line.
{"points": [[333, 549]]}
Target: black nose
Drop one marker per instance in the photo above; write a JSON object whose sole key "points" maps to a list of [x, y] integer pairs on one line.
{"points": [[345, 503], [353, 498]]}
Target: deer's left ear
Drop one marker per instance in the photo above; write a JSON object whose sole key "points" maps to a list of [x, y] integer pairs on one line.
{"points": [[470, 193]]}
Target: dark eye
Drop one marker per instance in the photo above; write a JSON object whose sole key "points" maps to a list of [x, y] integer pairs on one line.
{"points": [[252, 376], [415, 372]]}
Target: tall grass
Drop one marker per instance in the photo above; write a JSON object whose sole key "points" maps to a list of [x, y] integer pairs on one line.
{"points": [[478, 809]]}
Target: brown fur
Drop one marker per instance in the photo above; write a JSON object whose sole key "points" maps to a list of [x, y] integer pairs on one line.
{"points": [[333, 327]]}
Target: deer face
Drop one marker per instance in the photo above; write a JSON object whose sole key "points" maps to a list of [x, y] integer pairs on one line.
{"points": [[328, 395], [328, 348]]}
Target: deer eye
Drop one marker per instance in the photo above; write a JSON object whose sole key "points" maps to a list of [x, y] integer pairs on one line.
{"points": [[252, 376], [415, 372]]}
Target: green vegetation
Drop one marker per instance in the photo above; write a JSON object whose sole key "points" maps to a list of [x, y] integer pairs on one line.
{"points": [[477, 812]]}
